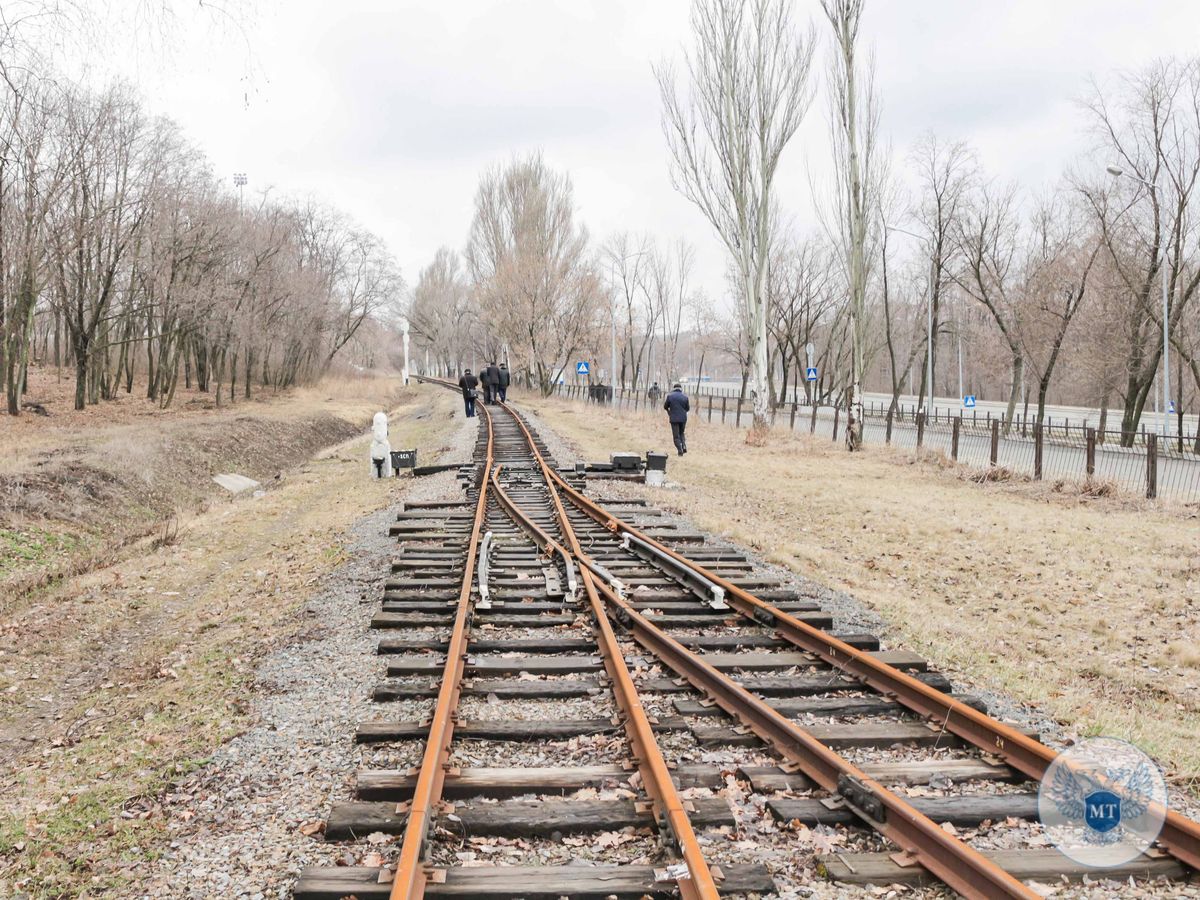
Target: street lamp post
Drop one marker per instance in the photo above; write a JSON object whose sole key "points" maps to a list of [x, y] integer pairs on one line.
{"points": [[404, 330], [928, 322], [1166, 308]]}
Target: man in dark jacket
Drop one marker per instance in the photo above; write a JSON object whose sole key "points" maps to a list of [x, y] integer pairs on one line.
{"points": [[504, 380], [677, 408], [467, 385], [490, 377]]}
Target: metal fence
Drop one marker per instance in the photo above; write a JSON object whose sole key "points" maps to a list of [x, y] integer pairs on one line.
{"points": [[1137, 462]]}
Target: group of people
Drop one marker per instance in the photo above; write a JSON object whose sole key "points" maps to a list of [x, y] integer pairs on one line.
{"points": [[494, 380]]}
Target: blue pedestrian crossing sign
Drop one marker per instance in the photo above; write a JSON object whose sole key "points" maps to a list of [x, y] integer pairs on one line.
{"points": [[969, 401], [581, 368], [810, 374], [1171, 408]]}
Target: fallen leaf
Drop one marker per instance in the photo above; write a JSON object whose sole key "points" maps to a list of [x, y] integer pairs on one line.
{"points": [[316, 826]]}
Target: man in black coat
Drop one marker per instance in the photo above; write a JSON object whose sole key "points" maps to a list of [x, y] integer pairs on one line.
{"points": [[467, 385], [504, 380], [491, 382], [677, 408]]}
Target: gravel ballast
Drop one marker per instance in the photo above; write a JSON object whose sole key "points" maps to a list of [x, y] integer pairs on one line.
{"points": [[242, 826], [238, 824]]}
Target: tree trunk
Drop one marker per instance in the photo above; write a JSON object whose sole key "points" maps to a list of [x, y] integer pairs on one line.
{"points": [[1018, 378]]}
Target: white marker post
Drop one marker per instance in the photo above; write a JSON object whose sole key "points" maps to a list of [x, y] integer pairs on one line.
{"points": [[404, 329]]}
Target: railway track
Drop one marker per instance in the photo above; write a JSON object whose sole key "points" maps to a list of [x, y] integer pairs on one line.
{"points": [[590, 702]]}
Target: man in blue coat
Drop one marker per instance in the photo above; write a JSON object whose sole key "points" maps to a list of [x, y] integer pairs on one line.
{"points": [[677, 407]]}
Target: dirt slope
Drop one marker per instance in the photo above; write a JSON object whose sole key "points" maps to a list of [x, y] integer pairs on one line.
{"points": [[75, 487]]}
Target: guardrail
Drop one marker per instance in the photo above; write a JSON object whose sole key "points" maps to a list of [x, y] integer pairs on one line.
{"points": [[1141, 462]]}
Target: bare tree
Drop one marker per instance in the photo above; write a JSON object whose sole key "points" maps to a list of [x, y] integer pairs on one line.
{"points": [[1059, 263], [991, 271], [945, 172], [439, 315], [801, 288], [749, 92], [1150, 127], [670, 274], [627, 262], [855, 129], [529, 261]]}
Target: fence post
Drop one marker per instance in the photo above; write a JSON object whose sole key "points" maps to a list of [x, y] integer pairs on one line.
{"points": [[837, 411], [995, 441], [812, 428], [737, 420], [888, 438], [792, 422], [920, 429], [1151, 466], [724, 406], [1091, 452], [1038, 430], [710, 407], [954, 439]]}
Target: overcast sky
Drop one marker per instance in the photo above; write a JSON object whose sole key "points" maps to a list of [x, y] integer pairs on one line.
{"points": [[390, 109]]}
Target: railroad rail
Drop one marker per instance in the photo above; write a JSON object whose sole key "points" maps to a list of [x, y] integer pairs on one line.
{"points": [[525, 544]]}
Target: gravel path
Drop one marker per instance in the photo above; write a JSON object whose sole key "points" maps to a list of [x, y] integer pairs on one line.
{"points": [[237, 823]]}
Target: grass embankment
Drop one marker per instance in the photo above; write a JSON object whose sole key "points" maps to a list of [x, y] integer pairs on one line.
{"points": [[1086, 607], [77, 486], [115, 683]]}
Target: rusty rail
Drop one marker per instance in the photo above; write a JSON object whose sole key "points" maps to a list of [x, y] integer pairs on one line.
{"points": [[1180, 836], [411, 876], [697, 883], [956, 863]]}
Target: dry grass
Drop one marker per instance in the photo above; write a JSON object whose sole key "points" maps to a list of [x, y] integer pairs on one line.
{"points": [[29, 437], [1086, 605], [116, 684], [75, 487]]}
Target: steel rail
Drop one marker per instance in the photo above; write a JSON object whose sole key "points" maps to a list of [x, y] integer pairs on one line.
{"points": [[1180, 836], [411, 876], [954, 862], [696, 882], [535, 531]]}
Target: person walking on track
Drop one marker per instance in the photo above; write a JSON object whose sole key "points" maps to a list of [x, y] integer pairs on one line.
{"points": [[467, 384], [677, 408], [504, 380], [485, 385], [490, 377]]}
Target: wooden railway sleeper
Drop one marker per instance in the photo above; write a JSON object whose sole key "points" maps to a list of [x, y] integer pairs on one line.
{"points": [[695, 879], [956, 863], [1179, 835]]}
